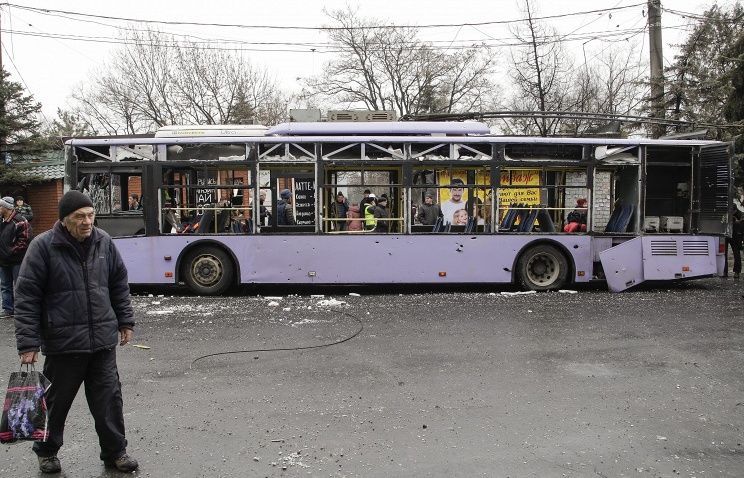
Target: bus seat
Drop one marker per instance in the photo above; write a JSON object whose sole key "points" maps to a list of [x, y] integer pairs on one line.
{"points": [[438, 226], [508, 221], [205, 223], [470, 225], [529, 221], [546, 222], [620, 218], [223, 216], [624, 221], [522, 213]]}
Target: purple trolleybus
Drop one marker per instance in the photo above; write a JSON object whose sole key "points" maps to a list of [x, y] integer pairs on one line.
{"points": [[225, 205]]}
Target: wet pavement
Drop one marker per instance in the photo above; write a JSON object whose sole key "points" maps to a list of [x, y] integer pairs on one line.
{"points": [[435, 383]]}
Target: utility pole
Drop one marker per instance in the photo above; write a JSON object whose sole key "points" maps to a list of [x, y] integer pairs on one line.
{"points": [[657, 64]]}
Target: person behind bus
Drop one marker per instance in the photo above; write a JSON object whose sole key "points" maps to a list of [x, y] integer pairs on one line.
{"points": [[134, 203], [428, 212], [576, 219], [339, 208], [354, 215], [264, 216], [24, 209], [475, 208], [368, 197], [369, 212], [735, 242], [284, 213], [455, 201], [381, 214], [460, 217]]}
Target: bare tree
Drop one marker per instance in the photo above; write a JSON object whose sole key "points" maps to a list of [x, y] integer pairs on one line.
{"points": [[611, 82], [156, 80], [387, 67], [541, 74]]}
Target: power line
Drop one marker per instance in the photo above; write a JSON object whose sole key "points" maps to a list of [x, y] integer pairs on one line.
{"points": [[22, 79], [48, 11], [624, 35], [697, 16]]}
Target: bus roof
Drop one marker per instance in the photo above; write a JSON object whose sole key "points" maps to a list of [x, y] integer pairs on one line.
{"points": [[379, 128], [210, 130], [383, 138]]}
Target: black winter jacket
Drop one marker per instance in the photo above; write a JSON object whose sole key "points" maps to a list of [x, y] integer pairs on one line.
{"points": [[64, 304]]}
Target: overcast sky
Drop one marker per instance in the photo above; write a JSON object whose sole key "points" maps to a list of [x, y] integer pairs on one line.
{"points": [[39, 48]]}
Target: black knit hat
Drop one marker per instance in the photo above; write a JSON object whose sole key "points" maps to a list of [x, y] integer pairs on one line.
{"points": [[71, 202]]}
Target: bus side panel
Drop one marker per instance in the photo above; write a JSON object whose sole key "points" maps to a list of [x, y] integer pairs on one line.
{"points": [[679, 257], [353, 259], [384, 259]]}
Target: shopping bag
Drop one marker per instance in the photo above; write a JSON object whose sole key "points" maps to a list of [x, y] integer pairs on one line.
{"points": [[24, 410]]}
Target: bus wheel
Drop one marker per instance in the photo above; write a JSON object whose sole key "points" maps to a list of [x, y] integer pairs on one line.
{"points": [[208, 271], [542, 268]]}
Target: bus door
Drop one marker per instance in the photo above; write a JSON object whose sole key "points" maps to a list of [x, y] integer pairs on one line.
{"points": [[292, 201], [713, 194]]}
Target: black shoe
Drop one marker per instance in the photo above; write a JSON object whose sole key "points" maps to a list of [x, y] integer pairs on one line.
{"points": [[6, 315], [124, 463], [49, 464]]}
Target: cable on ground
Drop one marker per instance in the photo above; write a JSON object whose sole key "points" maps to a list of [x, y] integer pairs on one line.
{"points": [[283, 349]]}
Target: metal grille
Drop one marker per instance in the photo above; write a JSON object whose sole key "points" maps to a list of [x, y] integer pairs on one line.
{"points": [[695, 248], [663, 248], [714, 180]]}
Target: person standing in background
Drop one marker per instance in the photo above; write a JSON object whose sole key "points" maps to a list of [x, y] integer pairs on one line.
{"points": [[428, 212], [24, 209], [15, 234], [339, 208]]}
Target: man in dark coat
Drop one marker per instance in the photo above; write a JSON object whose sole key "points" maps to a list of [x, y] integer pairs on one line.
{"points": [[73, 304], [339, 208], [284, 213], [24, 209], [428, 212], [15, 235], [381, 214]]}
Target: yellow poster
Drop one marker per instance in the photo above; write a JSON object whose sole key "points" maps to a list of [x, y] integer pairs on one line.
{"points": [[521, 194]]}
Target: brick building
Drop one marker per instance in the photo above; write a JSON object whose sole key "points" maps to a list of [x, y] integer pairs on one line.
{"points": [[42, 196]]}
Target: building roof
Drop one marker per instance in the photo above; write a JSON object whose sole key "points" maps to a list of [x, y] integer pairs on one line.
{"points": [[46, 171], [48, 165]]}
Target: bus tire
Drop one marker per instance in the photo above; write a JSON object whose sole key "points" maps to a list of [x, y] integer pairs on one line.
{"points": [[542, 268], [208, 270]]}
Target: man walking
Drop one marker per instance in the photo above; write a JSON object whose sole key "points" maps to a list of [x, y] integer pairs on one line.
{"points": [[14, 237], [73, 304]]}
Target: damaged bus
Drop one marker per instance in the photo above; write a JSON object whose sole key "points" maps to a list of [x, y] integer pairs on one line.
{"points": [[544, 213]]}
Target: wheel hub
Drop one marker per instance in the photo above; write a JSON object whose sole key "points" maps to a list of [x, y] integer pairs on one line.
{"points": [[207, 270], [542, 269]]}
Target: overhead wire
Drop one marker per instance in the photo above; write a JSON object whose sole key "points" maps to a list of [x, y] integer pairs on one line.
{"points": [[322, 47], [18, 72], [49, 11]]}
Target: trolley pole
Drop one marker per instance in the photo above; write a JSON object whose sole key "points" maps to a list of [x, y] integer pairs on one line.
{"points": [[657, 65]]}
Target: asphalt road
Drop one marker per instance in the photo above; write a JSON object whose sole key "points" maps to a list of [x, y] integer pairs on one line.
{"points": [[441, 383]]}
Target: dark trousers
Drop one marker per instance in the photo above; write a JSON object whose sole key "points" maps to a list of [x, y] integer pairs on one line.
{"points": [[8, 277], [735, 243], [102, 390]]}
